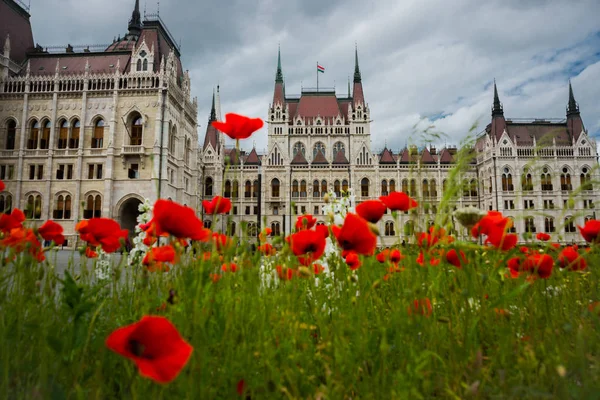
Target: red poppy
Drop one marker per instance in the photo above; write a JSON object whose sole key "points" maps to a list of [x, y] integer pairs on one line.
{"points": [[453, 258], [285, 273], [267, 249], [171, 218], [155, 345], [221, 240], [371, 210], [10, 221], [215, 277], [318, 268], [353, 261], [494, 226], [544, 237], [514, 266], [238, 126], [421, 307], [322, 229], [356, 236], [157, 256], [263, 235], [231, 267], [393, 255], [307, 245], [2, 187], [540, 264], [570, 258], [305, 221], [103, 232], [591, 231], [434, 235], [399, 201], [89, 253], [218, 205], [52, 231], [240, 387], [21, 239]]}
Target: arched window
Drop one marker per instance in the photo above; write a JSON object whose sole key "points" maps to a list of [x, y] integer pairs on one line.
{"points": [[507, 184], [565, 180], [405, 186], [546, 179], [207, 223], [389, 229], [549, 225], [74, 140], [34, 134], [136, 130], [318, 147], [11, 134], [392, 185], [34, 207], [139, 65], [172, 137], [63, 135], [275, 188], [93, 207], [384, 188], [425, 188], [295, 188], [364, 187], [251, 229], [338, 147], [529, 225], [208, 187], [227, 192], [337, 189], [473, 188], [409, 228], [275, 229], [302, 188], [465, 188], [444, 185], [526, 182], [62, 208], [45, 138], [413, 188], [145, 64], [299, 148], [248, 189], [255, 188], [345, 186], [569, 225], [231, 228], [98, 138], [323, 187], [316, 189], [235, 189], [5, 203], [586, 179], [188, 151], [433, 188]]}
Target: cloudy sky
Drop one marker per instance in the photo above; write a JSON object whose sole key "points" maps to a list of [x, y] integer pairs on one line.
{"points": [[423, 62]]}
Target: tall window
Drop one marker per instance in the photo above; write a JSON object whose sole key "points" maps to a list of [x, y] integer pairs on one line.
{"points": [[188, 151], [526, 182], [145, 64], [425, 188], [529, 225], [34, 134], [337, 189], [413, 188], [251, 229], [34, 207], [93, 207], [136, 131], [235, 189], [63, 135], [248, 189], [295, 188], [384, 188], [389, 229], [302, 188], [546, 180], [433, 188], [45, 138], [74, 140], [316, 189], [275, 229], [569, 225], [586, 179], [11, 134], [392, 185], [208, 187], [549, 225], [319, 147], [98, 138], [565, 180], [275, 188], [323, 187], [364, 187], [255, 188], [5, 203], [337, 148], [62, 209], [345, 186], [405, 186], [465, 188], [231, 228], [227, 192], [507, 184], [299, 148], [139, 65], [172, 137], [473, 188]]}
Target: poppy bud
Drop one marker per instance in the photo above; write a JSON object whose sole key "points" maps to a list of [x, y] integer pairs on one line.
{"points": [[326, 198], [374, 228], [304, 272], [376, 284]]}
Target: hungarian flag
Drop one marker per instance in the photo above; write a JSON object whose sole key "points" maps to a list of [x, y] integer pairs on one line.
{"points": [[320, 68]]}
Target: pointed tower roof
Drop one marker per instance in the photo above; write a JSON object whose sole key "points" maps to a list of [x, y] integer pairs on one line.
{"points": [[135, 23], [446, 157], [340, 158], [279, 73], [386, 157], [497, 110], [320, 158], [573, 107], [213, 111], [253, 158], [279, 93], [357, 93], [218, 105], [299, 159], [212, 135], [426, 157], [357, 77]]}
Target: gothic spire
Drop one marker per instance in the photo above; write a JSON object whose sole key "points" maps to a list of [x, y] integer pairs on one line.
{"points": [[279, 75], [497, 110], [213, 112], [135, 23], [573, 107], [357, 77], [218, 105]]}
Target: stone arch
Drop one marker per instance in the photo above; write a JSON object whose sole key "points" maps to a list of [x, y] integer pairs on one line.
{"points": [[127, 212]]}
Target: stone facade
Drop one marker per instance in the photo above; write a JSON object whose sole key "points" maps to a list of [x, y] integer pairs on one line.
{"points": [[534, 171], [93, 133]]}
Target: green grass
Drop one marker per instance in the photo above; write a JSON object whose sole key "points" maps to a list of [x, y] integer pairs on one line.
{"points": [[350, 336]]}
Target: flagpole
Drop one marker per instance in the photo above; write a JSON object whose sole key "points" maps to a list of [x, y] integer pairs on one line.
{"points": [[317, 77]]}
